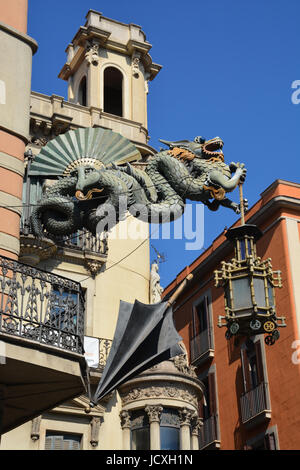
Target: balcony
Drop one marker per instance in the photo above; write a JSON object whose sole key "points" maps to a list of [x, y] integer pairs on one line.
{"points": [[83, 247], [41, 338], [209, 435], [202, 347], [255, 406]]}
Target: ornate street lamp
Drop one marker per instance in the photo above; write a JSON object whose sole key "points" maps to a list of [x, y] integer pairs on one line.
{"points": [[248, 283]]}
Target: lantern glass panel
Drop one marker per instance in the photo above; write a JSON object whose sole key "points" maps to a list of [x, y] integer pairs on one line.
{"points": [[241, 293], [227, 296], [259, 290], [242, 249], [271, 295]]}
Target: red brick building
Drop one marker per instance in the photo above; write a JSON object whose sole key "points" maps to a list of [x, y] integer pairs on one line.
{"points": [[252, 398]]}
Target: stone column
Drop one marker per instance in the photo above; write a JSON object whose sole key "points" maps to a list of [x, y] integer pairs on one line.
{"points": [[185, 416], [196, 423], [126, 426], [15, 86], [153, 412]]}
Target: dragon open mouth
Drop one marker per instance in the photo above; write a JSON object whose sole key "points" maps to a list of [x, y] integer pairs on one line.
{"points": [[213, 147]]}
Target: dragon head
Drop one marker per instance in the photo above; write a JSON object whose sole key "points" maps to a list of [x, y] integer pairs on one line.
{"points": [[199, 147], [87, 178]]}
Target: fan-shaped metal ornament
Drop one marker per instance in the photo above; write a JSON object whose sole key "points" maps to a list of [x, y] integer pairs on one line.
{"points": [[96, 147]]}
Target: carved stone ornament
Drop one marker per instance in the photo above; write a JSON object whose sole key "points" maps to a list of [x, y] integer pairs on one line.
{"points": [[154, 412], [95, 428], [185, 417], [155, 287], [93, 266], [135, 65], [91, 55], [35, 428], [125, 419], [181, 364], [196, 424]]}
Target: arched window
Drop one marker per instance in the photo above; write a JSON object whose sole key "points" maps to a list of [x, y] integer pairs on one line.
{"points": [[113, 91], [82, 92]]}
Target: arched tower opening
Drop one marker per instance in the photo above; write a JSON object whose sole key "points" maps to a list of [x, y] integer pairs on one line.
{"points": [[82, 92], [113, 91]]}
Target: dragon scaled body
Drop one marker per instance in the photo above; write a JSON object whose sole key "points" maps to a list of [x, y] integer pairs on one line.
{"points": [[192, 170]]}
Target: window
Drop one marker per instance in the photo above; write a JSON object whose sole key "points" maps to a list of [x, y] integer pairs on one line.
{"points": [[201, 345], [208, 410], [113, 91], [62, 441], [82, 92], [266, 441], [252, 365], [169, 429], [201, 317], [140, 431]]}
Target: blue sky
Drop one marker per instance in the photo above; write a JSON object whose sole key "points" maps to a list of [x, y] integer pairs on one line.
{"points": [[228, 67]]}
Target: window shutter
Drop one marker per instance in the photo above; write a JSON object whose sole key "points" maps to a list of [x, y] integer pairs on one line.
{"points": [[48, 443], [212, 393], [208, 320], [270, 441], [259, 362], [245, 369]]}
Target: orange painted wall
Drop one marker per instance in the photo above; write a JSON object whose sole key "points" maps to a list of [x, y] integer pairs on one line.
{"points": [[14, 13]]}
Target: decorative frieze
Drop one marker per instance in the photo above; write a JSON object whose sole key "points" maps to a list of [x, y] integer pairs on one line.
{"points": [[164, 390]]}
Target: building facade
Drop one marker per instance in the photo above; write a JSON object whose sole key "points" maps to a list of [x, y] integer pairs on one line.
{"points": [[251, 388], [107, 72]]}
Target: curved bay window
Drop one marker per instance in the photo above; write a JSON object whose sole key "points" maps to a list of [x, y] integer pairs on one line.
{"points": [[169, 429], [140, 430], [82, 92], [113, 91]]}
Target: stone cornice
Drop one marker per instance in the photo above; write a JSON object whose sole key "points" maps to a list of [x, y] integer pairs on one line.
{"points": [[21, 36]]}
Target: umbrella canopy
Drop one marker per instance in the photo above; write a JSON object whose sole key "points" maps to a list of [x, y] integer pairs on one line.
{"points": [[145, 335]]}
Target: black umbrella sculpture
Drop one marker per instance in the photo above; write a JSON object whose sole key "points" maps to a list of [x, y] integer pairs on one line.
{"points": [[145, 335]]}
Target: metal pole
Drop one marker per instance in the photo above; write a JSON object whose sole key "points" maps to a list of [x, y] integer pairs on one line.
{"points": [[242, 204]]}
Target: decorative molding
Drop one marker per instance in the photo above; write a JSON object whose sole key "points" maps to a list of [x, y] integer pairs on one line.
{"points": [[125, 419], [154, 412]]}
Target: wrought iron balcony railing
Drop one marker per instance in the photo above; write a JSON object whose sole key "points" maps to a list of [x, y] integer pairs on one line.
{"points": [[82, 240], [41, 306], [208, 434], [201, 345], [254, 403]]}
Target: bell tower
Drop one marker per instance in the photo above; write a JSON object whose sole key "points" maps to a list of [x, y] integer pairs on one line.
{"points": [[108, 69]]}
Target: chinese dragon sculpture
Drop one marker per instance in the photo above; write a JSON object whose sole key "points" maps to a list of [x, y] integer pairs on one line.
{"points": [[94, 168]]}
